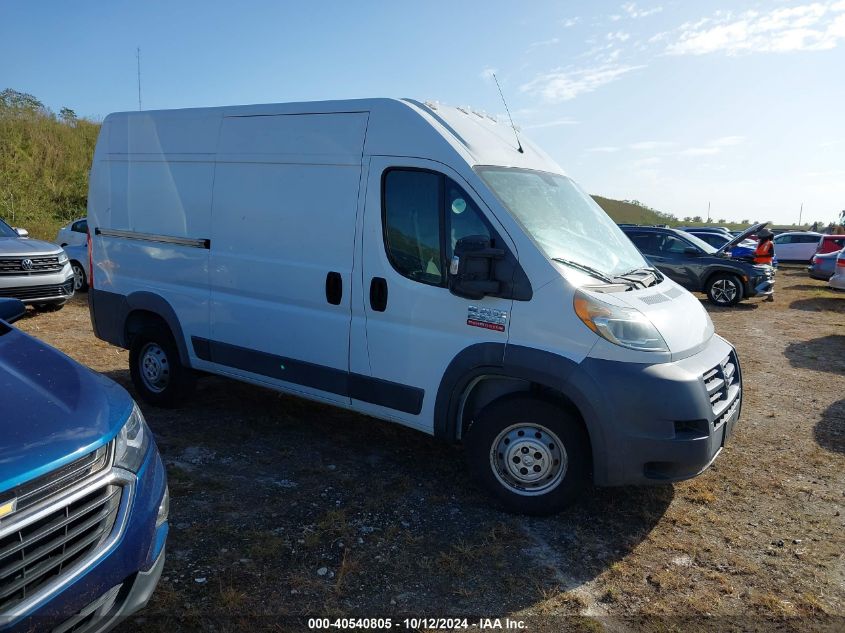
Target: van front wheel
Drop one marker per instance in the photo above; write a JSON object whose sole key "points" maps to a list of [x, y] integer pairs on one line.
{"points": [[532, 455], [157, 373]]}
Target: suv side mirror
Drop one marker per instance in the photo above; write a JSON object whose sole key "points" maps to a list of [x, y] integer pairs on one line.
{"points": [[22, 232], [472, 269], [11, 310], [691, 250]]}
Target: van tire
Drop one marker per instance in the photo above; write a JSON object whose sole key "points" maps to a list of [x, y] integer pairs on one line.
{"points": [[519, 445], [724, 290], [157, 373]]}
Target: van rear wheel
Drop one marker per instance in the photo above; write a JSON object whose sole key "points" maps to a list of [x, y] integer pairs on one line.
{"points": [[531, 454], [157, 372]]}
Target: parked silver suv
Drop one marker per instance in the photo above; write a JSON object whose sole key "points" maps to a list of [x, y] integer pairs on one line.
{"points": [[38, 273]]}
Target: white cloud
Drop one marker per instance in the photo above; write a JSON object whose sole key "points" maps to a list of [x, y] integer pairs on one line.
{"points": [[487, 73], [565, 84], [631, 9], [542, 44], [713, 147], [814, 26], [570, 22], [604, 149], [554, 123], [618, 36], [649, 145]]}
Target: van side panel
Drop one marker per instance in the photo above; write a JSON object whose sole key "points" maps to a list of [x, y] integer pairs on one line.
{"points": [[159, 172], [284, 215]]}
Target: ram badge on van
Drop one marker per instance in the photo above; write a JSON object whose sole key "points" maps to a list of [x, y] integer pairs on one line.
{"points": [[413, 262]]}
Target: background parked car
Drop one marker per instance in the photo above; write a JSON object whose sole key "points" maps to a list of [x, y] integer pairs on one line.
{"points": [[38, 273], [698, 266], [796, 246], [78, 256], [717, 239], [830, 244], [73, 233], [837, 281], [823, 265]]}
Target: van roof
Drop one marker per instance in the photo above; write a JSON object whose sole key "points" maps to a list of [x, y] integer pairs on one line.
{"points": [[397, 127]]}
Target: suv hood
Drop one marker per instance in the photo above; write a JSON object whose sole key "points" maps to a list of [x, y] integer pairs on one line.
{"points": [[751, 230], [23, 246], [52, 409]]}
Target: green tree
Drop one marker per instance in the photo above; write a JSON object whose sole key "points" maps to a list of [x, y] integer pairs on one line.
{"points": [[68, 116]]}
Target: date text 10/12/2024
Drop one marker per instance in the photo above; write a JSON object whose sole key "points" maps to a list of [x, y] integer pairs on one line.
{"points": [[416, 624]]}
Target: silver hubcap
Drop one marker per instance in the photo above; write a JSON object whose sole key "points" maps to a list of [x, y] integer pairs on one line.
{"points": [[528, 459], [155, 368], [78, 275], [724, 291]]}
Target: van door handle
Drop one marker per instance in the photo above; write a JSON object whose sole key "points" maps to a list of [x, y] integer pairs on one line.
{"points": [[334, 288], [378, 294]]}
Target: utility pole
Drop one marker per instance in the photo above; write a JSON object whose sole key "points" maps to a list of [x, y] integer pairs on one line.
{"points": [[800, 214], [138, 57], [708, 212]]}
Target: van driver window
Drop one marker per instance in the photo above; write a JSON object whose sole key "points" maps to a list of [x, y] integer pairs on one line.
{"points": [[463, 217], [412, 224]]}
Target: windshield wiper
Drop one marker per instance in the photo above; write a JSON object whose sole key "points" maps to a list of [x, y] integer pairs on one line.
{"points": [[584, 268], [650, 269]]}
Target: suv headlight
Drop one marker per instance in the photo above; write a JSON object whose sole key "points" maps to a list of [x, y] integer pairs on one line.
{"points": [[63, 258], [133, 440], [621, 326]]}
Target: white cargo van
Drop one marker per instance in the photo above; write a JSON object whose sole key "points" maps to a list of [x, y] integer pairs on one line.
{"points": [[412, 262]]}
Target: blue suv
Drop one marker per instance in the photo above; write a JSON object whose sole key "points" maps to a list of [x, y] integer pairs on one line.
{"points": [[83, 492]]}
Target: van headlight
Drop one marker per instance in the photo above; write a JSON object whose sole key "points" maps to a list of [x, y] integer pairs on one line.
{"points": [[132, 443], [63, 258], [621, 326]]}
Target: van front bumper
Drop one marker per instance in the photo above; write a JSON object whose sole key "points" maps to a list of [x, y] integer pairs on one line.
{"points": [[662, 422]]}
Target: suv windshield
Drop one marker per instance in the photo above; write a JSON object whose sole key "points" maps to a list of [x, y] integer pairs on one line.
{"points": [[565, 222], [6, 230]]}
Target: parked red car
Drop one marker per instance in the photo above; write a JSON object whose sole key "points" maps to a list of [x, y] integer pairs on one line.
{"points": [[830, 244]]}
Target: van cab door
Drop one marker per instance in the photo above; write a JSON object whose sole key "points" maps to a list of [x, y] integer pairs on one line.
{"points": [[414, 326]]}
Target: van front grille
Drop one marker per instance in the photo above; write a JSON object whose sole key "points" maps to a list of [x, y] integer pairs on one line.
{"points": [[722, 384], [45, 549], [30, 265]]}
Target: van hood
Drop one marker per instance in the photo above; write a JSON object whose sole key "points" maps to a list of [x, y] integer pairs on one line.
{"points": [[52, 409], [676, 313], [24, 246]]}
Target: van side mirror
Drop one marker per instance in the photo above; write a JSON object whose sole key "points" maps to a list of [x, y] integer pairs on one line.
{"points": [[472, 269], [11, 310], [22, 232]]}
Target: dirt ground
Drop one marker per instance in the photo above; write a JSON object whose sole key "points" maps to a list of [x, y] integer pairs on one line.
{"points": [[283, 508]]}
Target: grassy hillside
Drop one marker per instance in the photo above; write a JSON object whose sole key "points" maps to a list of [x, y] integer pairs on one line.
{"points": [[44, 163]]}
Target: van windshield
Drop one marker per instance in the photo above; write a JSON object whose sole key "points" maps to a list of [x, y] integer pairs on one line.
{"points": [[6, 230], [565, 222]]}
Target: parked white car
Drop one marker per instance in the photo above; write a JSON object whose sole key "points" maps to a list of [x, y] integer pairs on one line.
{"points": [[73, 233], [38, 273], [412, 262], [78, 256], [838, 279], [796, 246]]}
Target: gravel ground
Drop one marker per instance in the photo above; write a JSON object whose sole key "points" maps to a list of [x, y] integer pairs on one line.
{"points": [[283, 508]]}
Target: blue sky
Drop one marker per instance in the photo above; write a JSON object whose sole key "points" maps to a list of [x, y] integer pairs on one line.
{"points": [[675, 104]]}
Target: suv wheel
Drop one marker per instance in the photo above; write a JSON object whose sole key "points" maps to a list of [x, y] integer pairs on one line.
{"points": [[80, 282], [157, 373], [724, 290], [532, 455]]}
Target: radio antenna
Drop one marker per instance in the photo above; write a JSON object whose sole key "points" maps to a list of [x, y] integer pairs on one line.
{"points": [[138, 57], [518, 144]]}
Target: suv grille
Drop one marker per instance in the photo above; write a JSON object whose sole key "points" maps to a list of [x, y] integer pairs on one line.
{"points": [[38, 292], [37, 266], [42, 550], [722, 384]]}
